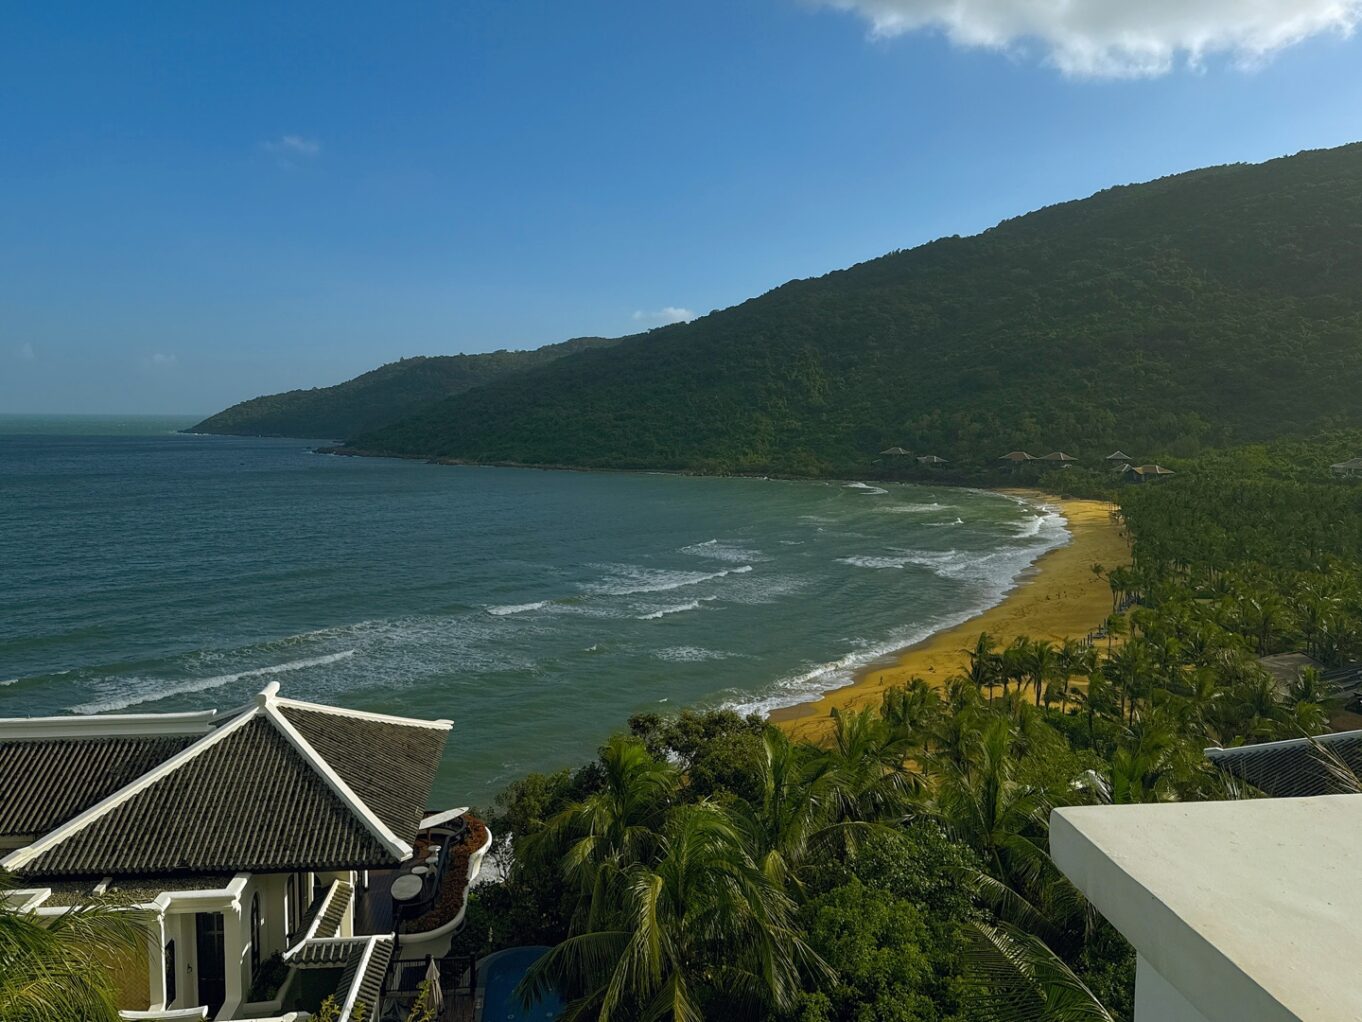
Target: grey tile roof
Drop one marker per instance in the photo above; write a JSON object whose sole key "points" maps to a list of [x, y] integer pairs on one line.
{"points": [[318, 954], [355, 747], [370, 980], [46, 781], [330, 923], [1326, 765], [249, 802]]}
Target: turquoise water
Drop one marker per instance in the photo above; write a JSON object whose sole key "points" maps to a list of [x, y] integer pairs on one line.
{"points": [[498, 975], [142, 570]]}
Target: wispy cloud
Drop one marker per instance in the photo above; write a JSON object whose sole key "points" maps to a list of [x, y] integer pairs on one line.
{"points": [[664, 316], [290, 150], [160, 360], [25, 352], [1116, 38]]}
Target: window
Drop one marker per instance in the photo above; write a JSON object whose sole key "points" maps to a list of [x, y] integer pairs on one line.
{"points": [[255, 933], [170, 973]]}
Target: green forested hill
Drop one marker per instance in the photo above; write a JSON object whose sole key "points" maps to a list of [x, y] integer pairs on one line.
{"points": [[1195, 311], [381, 396]]}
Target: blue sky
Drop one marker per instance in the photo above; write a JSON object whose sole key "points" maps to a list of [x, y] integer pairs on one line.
{"points": [[204, 202]]}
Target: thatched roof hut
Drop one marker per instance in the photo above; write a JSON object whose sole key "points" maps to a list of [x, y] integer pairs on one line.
{"points": [[1147, 473], [1017, 457], [1058, 456], [1351, 467], [932, 459], [895, 451], [1117, 456]]}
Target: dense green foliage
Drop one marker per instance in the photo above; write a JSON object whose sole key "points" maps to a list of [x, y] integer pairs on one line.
{"points": [[66, 968], [381, 396], [1194, 312], [708, 866]]}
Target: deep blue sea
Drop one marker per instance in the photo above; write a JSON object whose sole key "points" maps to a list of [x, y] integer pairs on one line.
{"points": [[145, 570]]}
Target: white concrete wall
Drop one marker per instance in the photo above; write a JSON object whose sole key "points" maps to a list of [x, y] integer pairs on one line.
{"points": [[1157, 1000]]}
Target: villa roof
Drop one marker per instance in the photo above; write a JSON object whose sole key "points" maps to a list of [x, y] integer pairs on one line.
{"points": [[1326, 765], [1017, 456], [1152, 470], [894, 450], [45, 783], [931, 459], [1058, 456], [1117, 456], [277, 785], [1350, 463]]}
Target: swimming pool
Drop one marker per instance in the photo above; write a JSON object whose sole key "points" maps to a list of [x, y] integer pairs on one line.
{"points": [[498, 975]]}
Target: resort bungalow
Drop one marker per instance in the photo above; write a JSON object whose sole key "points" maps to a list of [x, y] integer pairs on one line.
{"points": [[932, 459], [1118, 458], [1017, 458], [283, 851], [1060, 458], [1147, 473], [1351, 469], [1239, 909], [895, 451]]}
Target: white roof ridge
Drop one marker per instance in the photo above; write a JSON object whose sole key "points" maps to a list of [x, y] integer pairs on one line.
{"points": [[269, 705], [107, 725], [1325, 739], [443, 724], [137, 785]]}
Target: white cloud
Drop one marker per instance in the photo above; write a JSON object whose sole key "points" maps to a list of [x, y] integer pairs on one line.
{"points": [[293, 145], [25, 352], [161, 360], [664, 316], [1116, 38]]}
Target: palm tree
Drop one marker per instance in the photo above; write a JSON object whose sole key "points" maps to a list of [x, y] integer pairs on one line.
{"points": [[63, 968], [983, 663], [597, 837], [1042, 664], [866, 769], [696, 921]]}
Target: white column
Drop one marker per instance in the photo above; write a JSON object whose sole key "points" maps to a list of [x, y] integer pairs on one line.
{"points": [[156, 963], [236, 943]]}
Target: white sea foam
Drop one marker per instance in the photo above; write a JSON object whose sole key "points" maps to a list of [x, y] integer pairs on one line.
{"points": [[680, 608], [517, 608], [721, 550], [992, 573], [9, 681], [151, 695], [866, 487], [629, 580], [914, 509], [689, 654], [870, 561]]}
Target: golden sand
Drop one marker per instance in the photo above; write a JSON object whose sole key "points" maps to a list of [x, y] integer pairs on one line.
{"points": [[1056, 598]]}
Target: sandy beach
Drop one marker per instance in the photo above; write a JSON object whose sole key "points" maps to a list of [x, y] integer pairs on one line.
{"points": [[1057, 597]]}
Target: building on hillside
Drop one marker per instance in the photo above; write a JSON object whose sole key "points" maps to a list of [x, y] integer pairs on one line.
{"points": [[1351, 469], [1059, 458], [932, 459], [1016, 458], [1324, 765], [1148, 473], [1288, 668], [284, 851], [895, 451], [1118, 458], [1238, 910]]}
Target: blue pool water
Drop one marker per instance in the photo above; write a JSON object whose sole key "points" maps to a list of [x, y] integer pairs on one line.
{"points": [[499, 974]]}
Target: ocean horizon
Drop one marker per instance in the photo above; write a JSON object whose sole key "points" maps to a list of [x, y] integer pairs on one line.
{"points": [[153, 571]]}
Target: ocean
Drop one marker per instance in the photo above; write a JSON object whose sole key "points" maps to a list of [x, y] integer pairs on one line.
{"points": [[143, 570]]}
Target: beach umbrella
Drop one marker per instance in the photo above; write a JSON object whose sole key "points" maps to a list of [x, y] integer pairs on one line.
{"points": [[435, 998]]}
